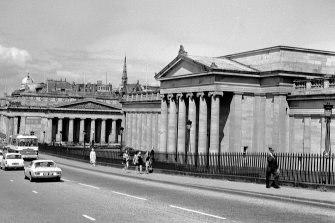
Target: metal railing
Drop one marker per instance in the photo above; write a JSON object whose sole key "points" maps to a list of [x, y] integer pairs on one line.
{"points": [[294, 167]]}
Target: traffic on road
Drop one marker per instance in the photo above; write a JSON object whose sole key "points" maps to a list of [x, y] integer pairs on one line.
{"points": [[86, 194]]}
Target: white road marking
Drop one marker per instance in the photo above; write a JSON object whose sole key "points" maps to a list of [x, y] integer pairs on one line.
{"points": [[198, 212], [140, 198], [66, 180], [89, 186], [35, 192], [86, 216]]}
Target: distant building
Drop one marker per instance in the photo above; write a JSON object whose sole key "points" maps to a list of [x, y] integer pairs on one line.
{"points": [[243, 102], [128, 88]]}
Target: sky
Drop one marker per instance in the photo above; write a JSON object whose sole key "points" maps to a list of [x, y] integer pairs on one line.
{"points": [[86, 41]]}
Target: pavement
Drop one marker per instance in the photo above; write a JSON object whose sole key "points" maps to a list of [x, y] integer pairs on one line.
{"points": [[315, 197]]}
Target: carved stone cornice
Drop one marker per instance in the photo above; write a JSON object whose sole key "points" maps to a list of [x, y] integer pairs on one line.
{"points": [[201, 95], [180, 96], [163, 97], [215, 93], [190, 95]]}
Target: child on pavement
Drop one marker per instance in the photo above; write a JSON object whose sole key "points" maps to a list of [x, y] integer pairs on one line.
{"points": [[147, 164], [93, 157]]}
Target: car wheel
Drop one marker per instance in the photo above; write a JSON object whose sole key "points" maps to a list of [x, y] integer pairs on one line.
{"points": [[57, 178], [5, 168], [31, 179]]}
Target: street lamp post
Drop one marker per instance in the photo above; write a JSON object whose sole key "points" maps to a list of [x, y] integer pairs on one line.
{"points": [[84, 132], [188, 128], [93, 136], [60, 132], [121, 133], [327, 153]]}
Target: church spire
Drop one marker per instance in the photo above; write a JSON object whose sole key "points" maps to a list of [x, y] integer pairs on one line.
{"points": [[124, 76]]}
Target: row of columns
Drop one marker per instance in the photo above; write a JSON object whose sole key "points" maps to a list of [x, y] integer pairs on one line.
{"points": [[176, 109], [111, 138], [49, 131], [141, 130]]}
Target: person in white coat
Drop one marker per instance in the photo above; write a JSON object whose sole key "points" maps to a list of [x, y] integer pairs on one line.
{"points": [[93, 157]]}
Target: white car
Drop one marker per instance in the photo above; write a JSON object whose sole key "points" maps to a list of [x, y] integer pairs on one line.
{"points": [[42, 169], [11, 161]]}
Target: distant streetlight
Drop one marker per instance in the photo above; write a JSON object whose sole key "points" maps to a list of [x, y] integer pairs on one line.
{"points": [[93, 137], [121, 133], [61, 134], [188, 128], [327, 153], [43, 136], [84, 132]]}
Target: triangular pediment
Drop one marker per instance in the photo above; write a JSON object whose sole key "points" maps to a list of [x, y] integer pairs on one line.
{"points": [[181, 66], [88, 105], [184, 65]]}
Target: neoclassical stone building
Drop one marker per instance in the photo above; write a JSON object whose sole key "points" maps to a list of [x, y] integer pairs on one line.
{"points": [[240, 102], [248, 101], [59, 115]]}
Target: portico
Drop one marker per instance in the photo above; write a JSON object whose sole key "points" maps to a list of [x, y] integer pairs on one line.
{"points": [[236, 103], [71, 123]]}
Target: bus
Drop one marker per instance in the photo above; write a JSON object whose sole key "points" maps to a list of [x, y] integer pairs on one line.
{"points": [[26, 145]]}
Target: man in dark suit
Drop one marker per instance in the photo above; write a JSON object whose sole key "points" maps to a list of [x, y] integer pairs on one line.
{"points": [[272, 168]]}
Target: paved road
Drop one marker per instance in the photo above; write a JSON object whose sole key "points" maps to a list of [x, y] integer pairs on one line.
{"points": [[86, 196]]}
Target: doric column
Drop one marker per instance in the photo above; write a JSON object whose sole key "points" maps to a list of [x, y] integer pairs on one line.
{"points": [[215, 122], [181, 124], [172, 129], [103, 132], [144, 132], [15, 126], [128, 129], [48, 131], [202, 143], [134, 130], [192, 116], [70, 138], [138, 130], [155, 131], [92, 136], [113, 133], [81, 130], [23, 125], [163, 125], [149, 131], [59, 129]]}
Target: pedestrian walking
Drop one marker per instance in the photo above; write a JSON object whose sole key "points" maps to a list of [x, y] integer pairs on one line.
{"points": [[147, 164], [135, 162], [140, 161], [125, 160], [93, 157], [272, 169]]}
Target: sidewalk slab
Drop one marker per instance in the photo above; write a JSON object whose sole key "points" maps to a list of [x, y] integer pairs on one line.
{"points": [[301, 195]]}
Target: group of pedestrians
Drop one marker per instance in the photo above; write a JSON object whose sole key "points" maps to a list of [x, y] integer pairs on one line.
{"points": [[139, 162], [271, 169]]}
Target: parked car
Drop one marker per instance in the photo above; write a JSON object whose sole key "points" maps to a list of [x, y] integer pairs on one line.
{"points": [[42, 169], [11, 161]]}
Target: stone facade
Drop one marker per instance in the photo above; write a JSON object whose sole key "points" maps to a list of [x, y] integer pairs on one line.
{"points": [[243, 101], [71, 123]]}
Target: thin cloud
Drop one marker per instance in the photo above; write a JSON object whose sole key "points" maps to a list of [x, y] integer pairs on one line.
{"points": [[13, 56]]}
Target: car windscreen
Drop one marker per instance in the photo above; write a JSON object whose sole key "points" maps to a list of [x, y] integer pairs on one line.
{"points": [[27, 142], [45, 164], [16, 156]]}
